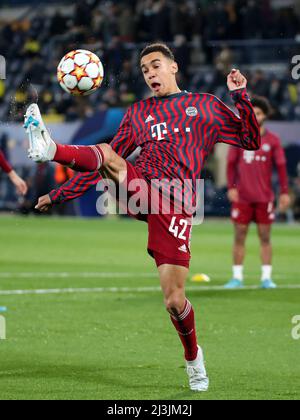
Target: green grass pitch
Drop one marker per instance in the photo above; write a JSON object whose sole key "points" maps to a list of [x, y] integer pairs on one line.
{"points": [[112, 344]]}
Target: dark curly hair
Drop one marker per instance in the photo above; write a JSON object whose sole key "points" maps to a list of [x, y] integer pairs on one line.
{"points": [[263, 104], [158, 47]]}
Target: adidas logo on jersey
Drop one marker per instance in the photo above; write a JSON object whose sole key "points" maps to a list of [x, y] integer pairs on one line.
{"points": [[149, 119], [183, 248]]}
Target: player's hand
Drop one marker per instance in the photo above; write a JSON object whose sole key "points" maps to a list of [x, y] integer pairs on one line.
{"points": [[233, 195], [19, 183], [284, 202], [44, 204], [236, 80]]}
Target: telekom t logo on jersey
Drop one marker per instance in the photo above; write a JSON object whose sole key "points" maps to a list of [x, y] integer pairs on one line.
{"points": [[159, 131]]}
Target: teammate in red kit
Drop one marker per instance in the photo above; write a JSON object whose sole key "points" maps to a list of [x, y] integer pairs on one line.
{"points": [[252, 195], [176, 131], [19, 183]]}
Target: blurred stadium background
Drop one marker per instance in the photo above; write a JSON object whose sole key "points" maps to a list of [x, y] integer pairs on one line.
{"points": [[208, 37]]}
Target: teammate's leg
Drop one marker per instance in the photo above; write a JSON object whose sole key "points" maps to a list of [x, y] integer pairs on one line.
{"points": [[173, 279], [264, 233], [239, 252], [239, 247]]}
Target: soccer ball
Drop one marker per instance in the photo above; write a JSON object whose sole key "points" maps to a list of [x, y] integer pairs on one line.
{"points": [[80, 73]]}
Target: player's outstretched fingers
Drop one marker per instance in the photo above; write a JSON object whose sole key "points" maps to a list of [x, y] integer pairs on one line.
{"points": [[23, 188], [236, 80], [236, 76], [44, 204]]}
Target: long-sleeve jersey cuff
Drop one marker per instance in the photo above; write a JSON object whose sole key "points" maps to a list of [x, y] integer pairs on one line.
{"points": [[7, 168], [239, 94], [231, 185], [4, 165], [56, 197], [231, 182], [283, 179]]}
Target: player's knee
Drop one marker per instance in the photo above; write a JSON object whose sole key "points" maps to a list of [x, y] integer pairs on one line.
{"points": [[241, 235], [240, 239], [175, 304], [265, 239]]}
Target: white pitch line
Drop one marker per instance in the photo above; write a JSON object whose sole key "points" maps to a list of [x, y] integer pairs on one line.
{"points": [[87, 275], [64, 275], [131, 290]]}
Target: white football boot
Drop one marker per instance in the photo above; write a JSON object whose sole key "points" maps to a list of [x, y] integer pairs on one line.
{"points": [[197, 373], [41, 147]]}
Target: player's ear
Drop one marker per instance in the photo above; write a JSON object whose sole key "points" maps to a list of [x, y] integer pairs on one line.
{"points": [[174, 67]]}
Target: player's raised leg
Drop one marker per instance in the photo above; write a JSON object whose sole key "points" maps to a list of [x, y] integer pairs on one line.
{"points": [[80, 158], [41, 146], [239, 251], [264, 233], [173, 279]]}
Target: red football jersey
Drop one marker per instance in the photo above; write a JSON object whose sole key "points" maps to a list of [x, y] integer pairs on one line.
{"points": [[251, 171], [176, 134]]}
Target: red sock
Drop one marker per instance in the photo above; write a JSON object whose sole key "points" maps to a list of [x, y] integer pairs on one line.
{"points": [[186, 328], [80, 158]]}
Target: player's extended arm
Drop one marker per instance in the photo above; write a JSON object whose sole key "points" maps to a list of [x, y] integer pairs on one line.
{"points": [[19, 183], [243, 130], [75, 187], [70, 190]]}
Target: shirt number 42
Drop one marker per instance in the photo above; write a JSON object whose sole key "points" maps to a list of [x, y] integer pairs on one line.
{"points": [[179, 229]]}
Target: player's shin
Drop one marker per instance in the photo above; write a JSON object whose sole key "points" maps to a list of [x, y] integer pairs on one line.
{"points": [[80, 158], [186, 328]]}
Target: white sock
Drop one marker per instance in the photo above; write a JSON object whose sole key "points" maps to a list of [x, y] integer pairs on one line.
{"points": [[266, 272], [238, 272]]}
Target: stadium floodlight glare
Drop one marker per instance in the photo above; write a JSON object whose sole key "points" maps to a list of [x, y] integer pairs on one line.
{"points": [[2, 68]]}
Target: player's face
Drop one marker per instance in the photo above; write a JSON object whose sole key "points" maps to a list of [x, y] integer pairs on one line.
{"points": [[260, 116], [159, 74]]}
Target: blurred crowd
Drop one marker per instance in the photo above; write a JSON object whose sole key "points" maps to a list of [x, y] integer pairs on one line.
{"points": [[116, 30]]}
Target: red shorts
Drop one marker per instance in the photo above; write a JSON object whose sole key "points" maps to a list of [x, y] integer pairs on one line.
{"points": [[169, 235], [260, 213]]}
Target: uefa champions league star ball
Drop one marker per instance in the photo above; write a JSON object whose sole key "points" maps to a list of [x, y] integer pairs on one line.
{"points": [[80, 72]]}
